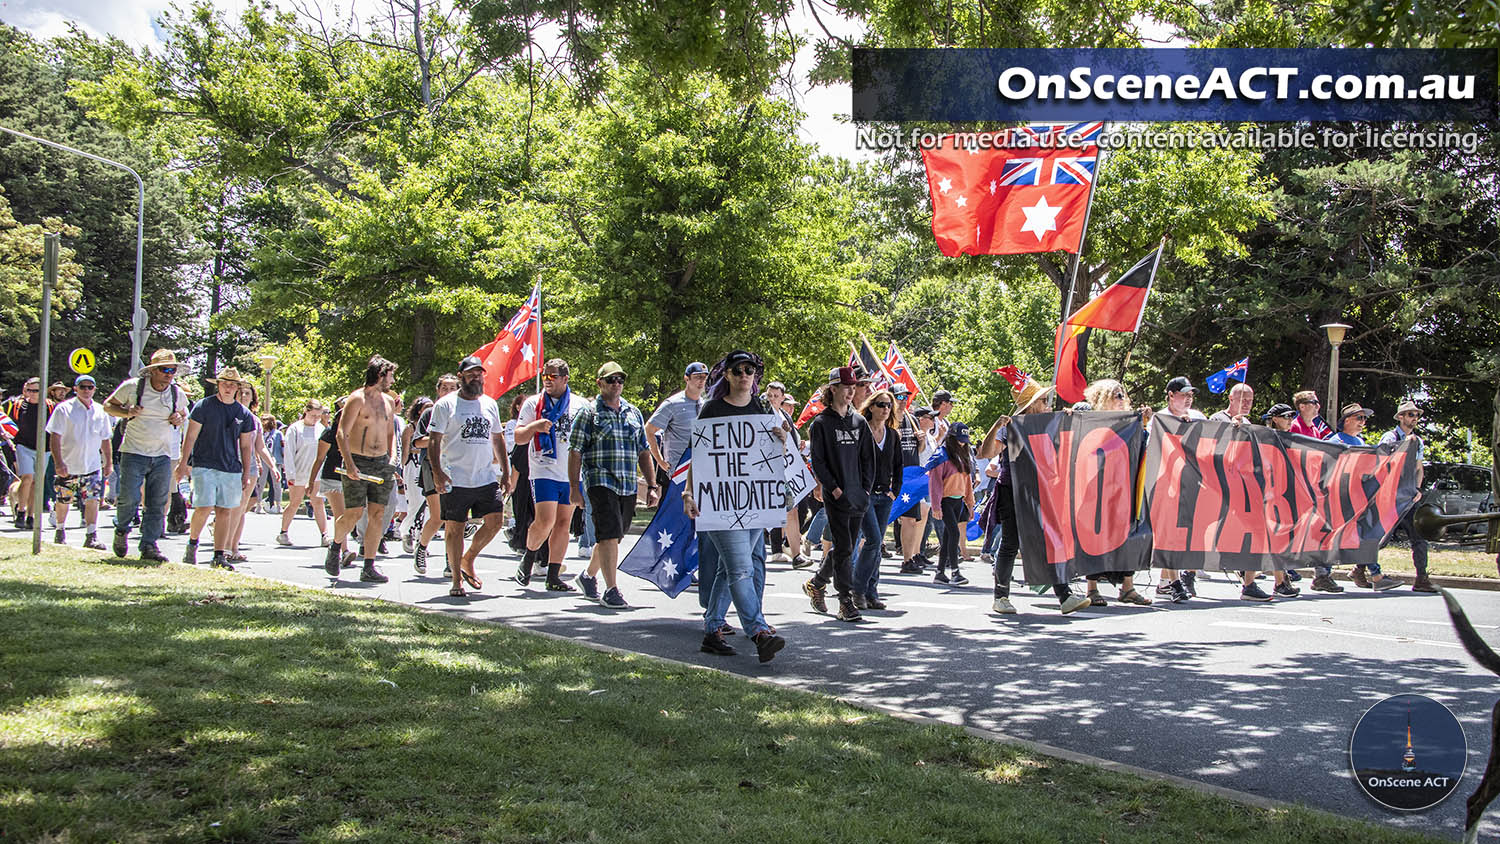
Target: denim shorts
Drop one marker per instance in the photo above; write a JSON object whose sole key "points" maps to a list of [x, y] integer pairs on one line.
{"points": [[213, 488], [26, 460], [546, 489]]}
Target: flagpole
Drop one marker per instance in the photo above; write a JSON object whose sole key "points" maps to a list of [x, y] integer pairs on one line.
{"points": [[1083, 235], [539, 346]]}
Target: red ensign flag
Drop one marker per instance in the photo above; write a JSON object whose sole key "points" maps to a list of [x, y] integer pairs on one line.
{"points": [[1006, 193], [515, 356]]}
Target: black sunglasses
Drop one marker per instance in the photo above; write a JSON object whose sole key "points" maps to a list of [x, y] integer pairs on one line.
{"points": [[1310, 401], [884, 404], [85, 387], [615, 379], [743, 371]]}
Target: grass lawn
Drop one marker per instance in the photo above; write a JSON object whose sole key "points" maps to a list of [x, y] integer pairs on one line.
{"points": [[1444, 561], [166, 703]]}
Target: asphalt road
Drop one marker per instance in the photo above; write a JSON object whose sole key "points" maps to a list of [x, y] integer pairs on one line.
{"points": [[1257, 698]]}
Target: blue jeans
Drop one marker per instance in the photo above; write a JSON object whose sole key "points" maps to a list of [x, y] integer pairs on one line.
{"points": [[586, 539], [815, 527], [738, 558], [867, 564], [155, 474]]}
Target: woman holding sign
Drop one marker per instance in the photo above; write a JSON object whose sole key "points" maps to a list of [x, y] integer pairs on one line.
{"points": [[738, 554]]}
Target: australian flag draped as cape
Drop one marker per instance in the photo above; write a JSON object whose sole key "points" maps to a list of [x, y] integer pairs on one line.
{"points": [[667, 555], [914, 488]]}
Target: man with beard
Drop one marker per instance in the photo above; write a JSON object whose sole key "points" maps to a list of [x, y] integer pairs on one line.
{"points": [[366, 441], [466, 442]]}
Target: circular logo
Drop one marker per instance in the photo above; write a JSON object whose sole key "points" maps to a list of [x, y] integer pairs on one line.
{"points": [[1408, 752], [81, 360]]}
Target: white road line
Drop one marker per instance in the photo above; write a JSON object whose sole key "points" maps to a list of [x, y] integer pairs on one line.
{"points": [[1294, 628], [1450, 624], [1263, 609]]}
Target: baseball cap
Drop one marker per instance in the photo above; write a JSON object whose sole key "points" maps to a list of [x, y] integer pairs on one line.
{"points": [[83, 379], [921, 412], [843, 375], [941, 396], [470, 362], [959, 431], [697, 367], [610, 368], [1285, 411], [1181, 385]]}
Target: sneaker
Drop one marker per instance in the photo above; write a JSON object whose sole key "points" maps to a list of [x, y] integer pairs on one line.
{"points": [[815, 594], [1385, 583], [31, 524], [408, 543], [380, 549], [1073, 603], [779, 557], [613, 599], [1359, 579], [1422, 584], [152, 554], [1293, 575], [713, 643], [727, 630], [121, 545], [283, 539], [323, 541], [20, 521], [370, 574], [219, 562], [1285, 589], [1178, 592], [1190, 582], [1253, 592], [958, 580], [1324, 583], [859, 602], [1003, 606], [52, 521], [1096, 600], [941, 577], [331, 561], [801, 562], [91, 542], [589, 586], [874, 603], [987, 559], [190, 557], [60, 537], [848, 612], [349, 559], [419, 559], [583, 553], [767, 644], [1164, 587]]}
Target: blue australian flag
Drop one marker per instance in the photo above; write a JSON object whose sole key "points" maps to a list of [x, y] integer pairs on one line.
{"points": [[1219, 381], [914, 488], [667, 555]]}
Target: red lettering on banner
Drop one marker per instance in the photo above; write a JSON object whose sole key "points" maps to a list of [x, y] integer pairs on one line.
{"points": [[1245, 516], [1166, 496], [1210, 498], [1279, 516], [1052, 475], [1102, 493], [1307, 477], [1388, 475], [1352, 469]]}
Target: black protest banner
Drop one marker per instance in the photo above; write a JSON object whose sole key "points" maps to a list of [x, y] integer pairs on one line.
{"points": [[1074, 479], [1241, 498]]}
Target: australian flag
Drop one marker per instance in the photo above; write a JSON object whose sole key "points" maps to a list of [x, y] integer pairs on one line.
{"points": [[8, 425], [1219, 381], [914, 484], [667, 555]]}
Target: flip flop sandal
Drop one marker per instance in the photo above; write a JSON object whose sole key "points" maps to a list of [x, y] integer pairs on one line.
{"points": [[473, 581], [457, 592]]}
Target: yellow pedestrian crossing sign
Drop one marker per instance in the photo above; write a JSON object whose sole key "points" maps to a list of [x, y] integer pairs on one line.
{"points": [[81, 360]]}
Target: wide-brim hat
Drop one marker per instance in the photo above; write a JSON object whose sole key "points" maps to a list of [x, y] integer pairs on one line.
{"points": [[228, 373], [161, 358], [1407, 407], [1028, 394], [1354, 410]]}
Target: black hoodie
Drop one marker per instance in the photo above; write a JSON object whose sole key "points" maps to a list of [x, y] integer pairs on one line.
{"points": [[843, 457]]}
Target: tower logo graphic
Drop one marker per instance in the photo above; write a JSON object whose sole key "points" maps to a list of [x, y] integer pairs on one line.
{"points": [[1408, 752]]}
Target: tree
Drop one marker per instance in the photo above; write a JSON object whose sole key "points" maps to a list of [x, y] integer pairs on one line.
{"points": [[21, 248]]}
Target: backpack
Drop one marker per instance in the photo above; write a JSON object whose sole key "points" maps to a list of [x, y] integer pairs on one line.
{"points": [[140, 391]]}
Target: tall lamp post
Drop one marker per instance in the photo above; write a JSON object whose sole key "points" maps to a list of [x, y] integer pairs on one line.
{"points": [[1336, 332], [267, 363]]}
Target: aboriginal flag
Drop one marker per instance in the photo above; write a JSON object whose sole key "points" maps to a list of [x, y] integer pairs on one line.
{"points": [[1118, 308]]}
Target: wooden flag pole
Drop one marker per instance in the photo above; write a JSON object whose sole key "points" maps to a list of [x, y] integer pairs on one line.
{"points": [[1083, 235]]}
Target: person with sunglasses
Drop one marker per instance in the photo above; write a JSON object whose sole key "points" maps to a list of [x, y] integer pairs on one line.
{"points": [[544, 425], [153, 408], [843, 461], [879, 411], [606, 447], [27, 410], [80, 431], [1407, 417]]}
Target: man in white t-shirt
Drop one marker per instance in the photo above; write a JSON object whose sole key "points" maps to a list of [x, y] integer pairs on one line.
{"points": [[80, 432], [545, 421], [153, 409], [465, 444]]}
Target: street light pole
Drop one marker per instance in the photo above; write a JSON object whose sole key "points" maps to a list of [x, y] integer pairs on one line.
{"points": [[267, 363], [138, 332], [1336, 331], [51, 248]]}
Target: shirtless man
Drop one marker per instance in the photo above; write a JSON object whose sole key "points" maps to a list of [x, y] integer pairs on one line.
{"points": [[366, 440]]}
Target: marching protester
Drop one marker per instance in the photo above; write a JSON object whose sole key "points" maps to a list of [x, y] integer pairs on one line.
{"points": [[1180, 393], [1352, 421], [912, 530], [521, 506], [1407, 417], [843, 461], [673, 420], [326, 464], [152, 409], [1108, 395], [28, 411], [544, 425], [607, 444], [301, 439], [80, 431], [411, 478], [737, 557], [264, 465], [878, 411], [218, 451], [447, 383], [1308, 423], [366, 442], [951, 490], [466, 443]]}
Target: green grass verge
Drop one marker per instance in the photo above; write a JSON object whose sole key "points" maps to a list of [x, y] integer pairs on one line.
{"points": [[164, 703], [1440, 561]]}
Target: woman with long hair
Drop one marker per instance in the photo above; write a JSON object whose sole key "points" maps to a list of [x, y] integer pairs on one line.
{"points": [[301, 448], [1109, 395], [880, 411], [411, 475], [950, 486]]}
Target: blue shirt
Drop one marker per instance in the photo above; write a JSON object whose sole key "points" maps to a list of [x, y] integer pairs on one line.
{"points": [[218, 443], [1346, 439], [1394, 437]]}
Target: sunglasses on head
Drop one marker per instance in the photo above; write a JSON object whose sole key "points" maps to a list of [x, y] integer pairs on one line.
{"points": [[614, 379], [1310, 401]]}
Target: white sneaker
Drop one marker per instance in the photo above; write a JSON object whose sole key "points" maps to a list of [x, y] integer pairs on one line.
{"points": [[323, 541], [1003, 606], [408, 543], [283, 539], [52, 520], [1075, 602], [779, 558]]}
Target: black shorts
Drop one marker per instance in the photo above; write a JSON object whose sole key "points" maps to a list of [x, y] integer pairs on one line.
{"points": [[913, 512], [424, 477], [476, 501], [612, 512]]}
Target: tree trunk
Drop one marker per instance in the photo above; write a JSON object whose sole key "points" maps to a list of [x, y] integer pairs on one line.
{"points": [[423, 344], [215, 300]]}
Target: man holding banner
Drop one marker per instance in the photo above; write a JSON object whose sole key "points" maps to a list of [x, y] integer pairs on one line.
{"points": [[735, 490]]}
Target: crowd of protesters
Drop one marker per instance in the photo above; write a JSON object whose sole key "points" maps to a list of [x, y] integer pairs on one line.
{"points": [[368, 471]]}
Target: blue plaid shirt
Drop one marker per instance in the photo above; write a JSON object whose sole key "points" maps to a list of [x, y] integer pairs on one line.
{"points": [[610, 442]]}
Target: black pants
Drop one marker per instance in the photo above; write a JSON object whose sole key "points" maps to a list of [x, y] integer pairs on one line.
{"points": [[955, 522], [844, 526], [521, 505], [1010, 541]]}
